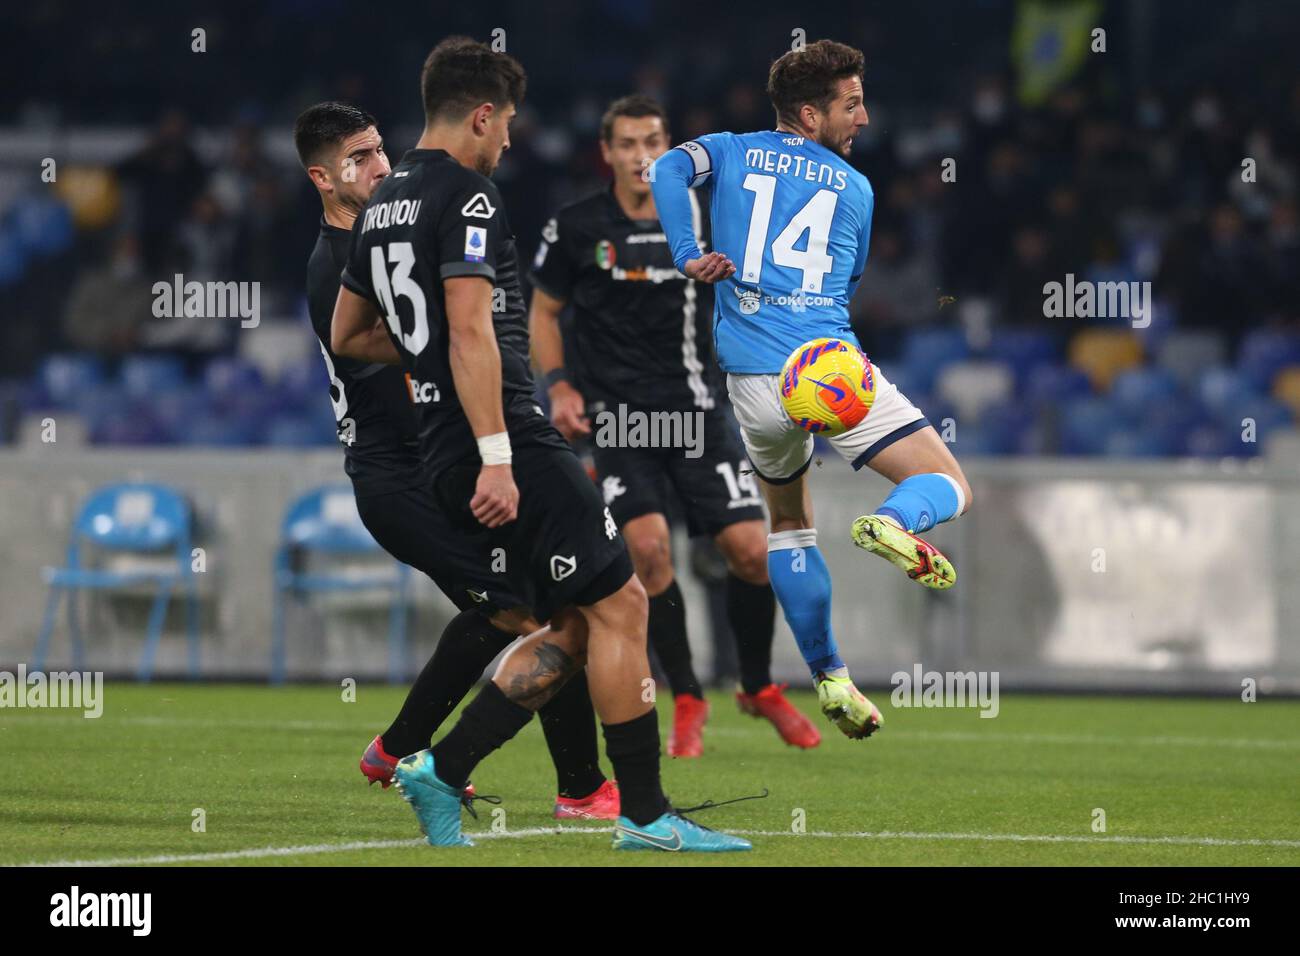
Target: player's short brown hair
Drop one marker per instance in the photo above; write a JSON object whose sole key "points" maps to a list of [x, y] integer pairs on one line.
{"points": [[810, 75], [461, 74], [636, 105]]}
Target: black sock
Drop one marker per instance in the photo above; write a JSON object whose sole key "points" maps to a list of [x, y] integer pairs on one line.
{"points": [[751, 610], [667, 632], [488, 722], [569, 723], [467, 646], [633, 749]]}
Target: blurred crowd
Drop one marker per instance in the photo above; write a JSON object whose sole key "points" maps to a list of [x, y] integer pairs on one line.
{"points": [[1163, 164]]}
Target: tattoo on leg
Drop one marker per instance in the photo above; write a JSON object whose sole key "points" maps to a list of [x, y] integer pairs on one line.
{"points": [[552, 668]]}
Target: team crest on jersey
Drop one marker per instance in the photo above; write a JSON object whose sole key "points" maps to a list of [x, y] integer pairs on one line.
{"points": [[475, 243], [551, 231], [748, 300], [478, 207], [605, 255]]}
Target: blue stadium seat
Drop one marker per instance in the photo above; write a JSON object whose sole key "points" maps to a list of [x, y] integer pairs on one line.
{"points": [[43, 224], [131, 518], [1267, 414], [177, 409], [1007, 425], [1139, 391], [62, 377], [302, 431], [1055, 384], [1143, 442], [912, 382], [229, 376], [133, 424], [1222, 390], [220, 430], [1265, 352], [303, 380], [1088, 423], [149, 376], [927, 351], [325, 521], [1211, 441], [1024, 350]]}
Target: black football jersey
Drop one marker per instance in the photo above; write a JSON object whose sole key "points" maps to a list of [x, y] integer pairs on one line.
{"points": [[641, 332], [377, 423], [430, 220]]}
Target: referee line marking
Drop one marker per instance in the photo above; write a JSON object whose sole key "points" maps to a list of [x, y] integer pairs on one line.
{"points": [[318, 848]]}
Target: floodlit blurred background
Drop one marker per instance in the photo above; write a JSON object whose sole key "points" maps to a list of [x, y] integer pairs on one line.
{"points": [[1136, 477]]}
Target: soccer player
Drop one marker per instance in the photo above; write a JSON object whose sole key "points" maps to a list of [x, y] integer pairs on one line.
{"points": [[343, 154], [641, 344], [789, 209], [432, 283]]}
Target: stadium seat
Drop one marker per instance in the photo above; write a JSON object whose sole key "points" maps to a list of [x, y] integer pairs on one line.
{"points": [[213, 428], [1024, 351], [972, 385], [230, 376], [927, 351], [1088, 423], [62, 377], [1008, 426], [131, 518], [1054, 384], [1211, 441], [1264, 353], [1103, 353], [325, 521], [1143, 442], [1221, 390], [177, 409], [302, 381], [1186, 354], [302, 430], [119, 425], [1267, 415], [1139, 391], [43, 224], [1286, 388], [148, 376]]}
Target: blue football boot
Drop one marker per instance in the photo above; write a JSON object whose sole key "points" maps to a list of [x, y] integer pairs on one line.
{"points": [[674, 833], [436, 805]]}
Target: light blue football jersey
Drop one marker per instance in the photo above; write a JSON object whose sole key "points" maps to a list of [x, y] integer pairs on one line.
{"points": [[794, 217]]}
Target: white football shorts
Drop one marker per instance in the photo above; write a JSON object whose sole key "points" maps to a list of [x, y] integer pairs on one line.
{"points": [[781, 451]]}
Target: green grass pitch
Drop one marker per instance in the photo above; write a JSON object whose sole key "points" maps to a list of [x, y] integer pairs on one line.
{"points": [[1181, 781]]}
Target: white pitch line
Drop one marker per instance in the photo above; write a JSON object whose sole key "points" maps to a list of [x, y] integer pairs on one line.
{"points": [[312, 849], [1146, 740], [959, 736]]}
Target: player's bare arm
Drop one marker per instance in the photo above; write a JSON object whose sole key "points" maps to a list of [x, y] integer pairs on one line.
{"points": [[476, 370], [357, 331], [568, 407]]}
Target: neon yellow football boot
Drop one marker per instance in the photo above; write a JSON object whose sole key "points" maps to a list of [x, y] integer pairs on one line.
{"points": [[855, 715], [920, 560]]}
